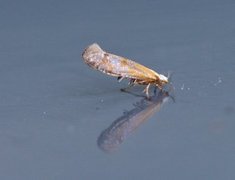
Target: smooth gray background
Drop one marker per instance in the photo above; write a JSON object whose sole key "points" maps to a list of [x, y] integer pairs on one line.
{"points": [[53, 107]]}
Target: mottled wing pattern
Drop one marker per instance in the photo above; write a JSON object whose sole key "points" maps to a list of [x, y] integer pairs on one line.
{"points": [[119, 66]]}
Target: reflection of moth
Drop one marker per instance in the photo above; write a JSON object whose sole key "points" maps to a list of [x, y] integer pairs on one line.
{"points": [[122, 68], [110, 139]]}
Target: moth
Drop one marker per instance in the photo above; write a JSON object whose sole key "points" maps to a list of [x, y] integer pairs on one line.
{"points": [[122, 68]]}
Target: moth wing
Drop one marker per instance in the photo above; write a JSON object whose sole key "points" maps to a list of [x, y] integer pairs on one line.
{"points": [[130, 69], [117, 66]]}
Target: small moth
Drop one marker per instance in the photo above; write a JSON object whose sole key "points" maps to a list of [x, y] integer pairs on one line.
{"points": [[122, 68]]}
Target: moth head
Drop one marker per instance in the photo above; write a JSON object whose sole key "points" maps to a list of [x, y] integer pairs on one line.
{"points": [[163, 79]]}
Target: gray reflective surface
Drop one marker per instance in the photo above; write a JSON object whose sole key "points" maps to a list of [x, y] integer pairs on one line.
{"points": [[53, 107]]}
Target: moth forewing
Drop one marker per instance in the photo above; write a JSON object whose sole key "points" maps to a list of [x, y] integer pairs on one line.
{"points": [[122, 67]]}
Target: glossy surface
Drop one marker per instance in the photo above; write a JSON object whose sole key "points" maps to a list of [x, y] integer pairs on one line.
{"points": [[54, 108]]}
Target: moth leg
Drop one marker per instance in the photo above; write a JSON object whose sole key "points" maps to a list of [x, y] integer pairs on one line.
{"points": [[159, 87], [120, 78], [130, 84], [128, 87], [132, 81], [146, 90]]}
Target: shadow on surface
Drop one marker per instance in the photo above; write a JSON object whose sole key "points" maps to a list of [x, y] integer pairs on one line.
{"points": [[110, 139]]}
